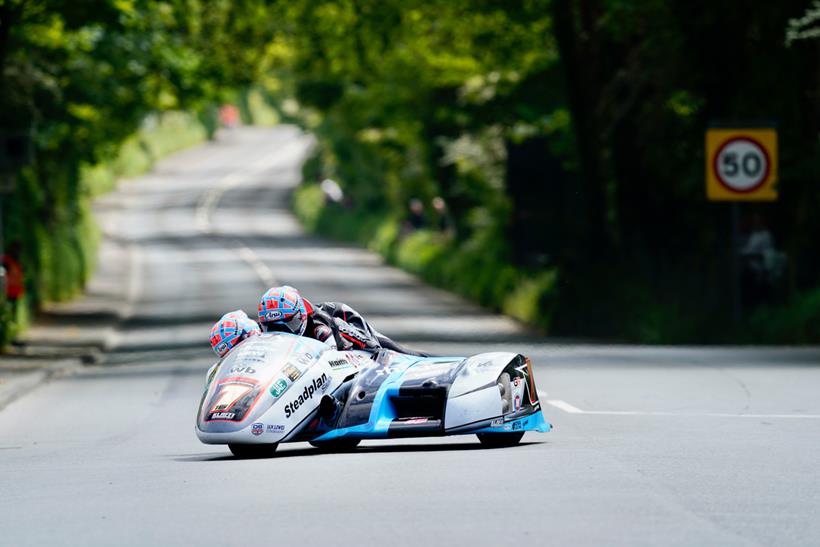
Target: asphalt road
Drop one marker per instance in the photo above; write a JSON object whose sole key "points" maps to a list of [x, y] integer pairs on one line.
{"points": [[651, 446]]}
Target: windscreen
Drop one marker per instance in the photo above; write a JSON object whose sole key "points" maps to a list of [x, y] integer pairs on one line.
{"points": [[253, 375]]}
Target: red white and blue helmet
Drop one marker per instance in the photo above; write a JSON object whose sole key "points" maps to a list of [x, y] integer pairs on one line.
{"points": [[282, 309], [232, 328]]}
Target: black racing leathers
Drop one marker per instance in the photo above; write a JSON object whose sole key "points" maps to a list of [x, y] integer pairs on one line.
{"points": [[348, 329]]}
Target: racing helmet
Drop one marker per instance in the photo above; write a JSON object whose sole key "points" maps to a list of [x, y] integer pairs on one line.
{"points": [[282, 309], [232, 328]]}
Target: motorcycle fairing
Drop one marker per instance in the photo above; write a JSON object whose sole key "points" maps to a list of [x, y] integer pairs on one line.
{"points": [[394, 396], [408, 397]]}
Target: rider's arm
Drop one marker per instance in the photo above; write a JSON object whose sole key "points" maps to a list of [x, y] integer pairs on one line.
{"points": [[356, 338]]}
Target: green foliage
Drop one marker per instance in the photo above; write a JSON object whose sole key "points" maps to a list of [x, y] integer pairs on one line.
{"points": [[256, 108], [474, 270], [798, 322], [308, 204], [566, 139], [103, 88], [62, 255]]}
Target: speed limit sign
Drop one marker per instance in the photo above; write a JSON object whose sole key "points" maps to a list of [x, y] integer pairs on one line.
{"points": [[741, 164]]}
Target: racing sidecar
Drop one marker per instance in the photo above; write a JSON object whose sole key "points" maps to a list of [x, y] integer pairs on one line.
{"points": [[279, 387]]}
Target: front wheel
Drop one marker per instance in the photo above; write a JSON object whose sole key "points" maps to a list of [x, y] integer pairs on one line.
{"points": [[252, 451], [337, 445], [499, 440]]}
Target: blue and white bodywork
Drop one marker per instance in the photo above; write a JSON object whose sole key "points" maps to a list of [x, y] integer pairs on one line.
{"points": [[284, 388]]}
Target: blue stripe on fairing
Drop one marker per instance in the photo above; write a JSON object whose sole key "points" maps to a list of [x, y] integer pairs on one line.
{"points": [[533, 422], [381, 413], [381, 416]]}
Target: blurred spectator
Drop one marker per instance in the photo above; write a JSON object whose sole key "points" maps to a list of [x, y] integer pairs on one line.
{"points": [[416, 219], [229, 116], [442, 217], [763, 264], [332, 191], [15, 287]]}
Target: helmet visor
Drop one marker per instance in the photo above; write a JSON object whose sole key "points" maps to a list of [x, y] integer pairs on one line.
{"points": [[294, 325]]}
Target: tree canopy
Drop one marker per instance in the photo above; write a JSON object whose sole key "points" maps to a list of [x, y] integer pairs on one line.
{"points": [[563, 135]]}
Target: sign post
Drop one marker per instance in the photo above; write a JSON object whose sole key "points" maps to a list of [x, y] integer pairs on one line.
{"points": [[741, 165]]}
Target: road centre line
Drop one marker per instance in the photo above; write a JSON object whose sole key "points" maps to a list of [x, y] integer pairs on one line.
{"points": [[209, 202], [261, 269], [570, 409], [134, 287]]}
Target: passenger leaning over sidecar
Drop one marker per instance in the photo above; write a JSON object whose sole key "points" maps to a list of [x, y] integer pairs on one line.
{"points": [[232, 328]]}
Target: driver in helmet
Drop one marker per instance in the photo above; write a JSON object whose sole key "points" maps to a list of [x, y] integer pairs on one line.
{"points": [[283, 309], [232, 328]]}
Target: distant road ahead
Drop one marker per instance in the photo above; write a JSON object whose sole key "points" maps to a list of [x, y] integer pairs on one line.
{"points": [[652, 446]]}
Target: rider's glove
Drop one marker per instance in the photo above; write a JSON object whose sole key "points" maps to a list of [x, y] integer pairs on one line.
{"points": [[324, 334], [356, 338]]}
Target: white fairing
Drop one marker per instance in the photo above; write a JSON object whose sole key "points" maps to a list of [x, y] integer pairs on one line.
{"points": [[282, 378], [474, 395]]}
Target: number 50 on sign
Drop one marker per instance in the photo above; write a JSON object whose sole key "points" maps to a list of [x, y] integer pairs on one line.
{"points": [[741, 164]]}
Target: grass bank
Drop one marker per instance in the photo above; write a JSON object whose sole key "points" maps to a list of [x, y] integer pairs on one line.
{"points": [[477, 269]]}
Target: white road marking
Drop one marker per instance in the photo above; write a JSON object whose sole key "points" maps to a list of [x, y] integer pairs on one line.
{"points": [[261, 269], [210, 201], [566, 407], [134, 279]]}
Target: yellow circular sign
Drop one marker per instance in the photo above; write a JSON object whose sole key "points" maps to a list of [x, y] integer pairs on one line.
{"points": [[741, 164]]}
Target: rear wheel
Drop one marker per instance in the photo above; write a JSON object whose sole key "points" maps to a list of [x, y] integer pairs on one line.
{"points": [[337, 445], [249, 451], [499, 440]]}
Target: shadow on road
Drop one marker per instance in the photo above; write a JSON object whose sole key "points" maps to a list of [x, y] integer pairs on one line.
{"points": [[377, 449]]}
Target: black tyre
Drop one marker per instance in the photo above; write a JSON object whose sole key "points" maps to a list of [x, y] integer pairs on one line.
{"points": [[337, 445], [499, 440], [250, 451]]}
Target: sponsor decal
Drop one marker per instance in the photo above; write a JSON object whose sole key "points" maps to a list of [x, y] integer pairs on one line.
{"points": [[358, 360], [516, 426], [257, 428], [498, 422], [229, 394], [251, 354], [276, 428], [291, 372], [518, 385], [242, 370], [212, 373], [304, 359], [278, 387], [273, 315], [339, 363], [416, 421], [318, 384], [233, 398]]}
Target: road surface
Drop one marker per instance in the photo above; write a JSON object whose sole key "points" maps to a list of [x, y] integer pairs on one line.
{"points": [[651, 446]]}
